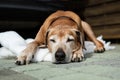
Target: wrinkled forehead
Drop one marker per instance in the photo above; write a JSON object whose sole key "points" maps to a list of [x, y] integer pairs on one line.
{"points": [[63, 33]]}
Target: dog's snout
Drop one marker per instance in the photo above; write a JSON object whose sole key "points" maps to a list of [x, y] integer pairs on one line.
{"points": [[60, 55]]}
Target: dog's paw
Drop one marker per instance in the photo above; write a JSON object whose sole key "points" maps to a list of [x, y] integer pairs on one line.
{"points": [[99, 50], [24, 58], [99, 47], [77, 56]]}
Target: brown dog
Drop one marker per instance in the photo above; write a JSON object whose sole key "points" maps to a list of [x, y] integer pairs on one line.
{"points": [[63, 34]]}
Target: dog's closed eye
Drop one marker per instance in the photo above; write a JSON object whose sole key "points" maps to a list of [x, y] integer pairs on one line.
{"points": [[69, 40], [52, 40]]}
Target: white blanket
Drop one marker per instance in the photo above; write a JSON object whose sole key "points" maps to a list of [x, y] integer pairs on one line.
{"points": [[13, 44]]}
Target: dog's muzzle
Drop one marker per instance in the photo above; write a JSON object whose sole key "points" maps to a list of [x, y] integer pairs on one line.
{"points": [[60, 56]]}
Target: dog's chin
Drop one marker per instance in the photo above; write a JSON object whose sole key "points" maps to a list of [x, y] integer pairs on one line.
{"points": [[61, 62]]}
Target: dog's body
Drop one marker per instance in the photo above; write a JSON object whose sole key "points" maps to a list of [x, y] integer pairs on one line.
{"points": [[63, 34]]}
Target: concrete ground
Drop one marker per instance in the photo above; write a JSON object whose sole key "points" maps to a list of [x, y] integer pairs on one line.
{"points": [[105, 66]]}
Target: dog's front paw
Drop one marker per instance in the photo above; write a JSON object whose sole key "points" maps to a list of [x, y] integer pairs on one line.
{"points": [[99, 49], [24, 58], [77, 56]]}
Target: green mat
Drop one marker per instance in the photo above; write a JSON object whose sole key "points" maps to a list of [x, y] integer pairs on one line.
{"points": [[105, 66]]}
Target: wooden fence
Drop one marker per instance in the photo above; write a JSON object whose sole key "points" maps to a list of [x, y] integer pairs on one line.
{"points": [[104, 17]]}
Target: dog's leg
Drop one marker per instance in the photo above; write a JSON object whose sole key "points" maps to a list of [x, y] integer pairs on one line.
{"points": [[27, 54], [99, 45]]}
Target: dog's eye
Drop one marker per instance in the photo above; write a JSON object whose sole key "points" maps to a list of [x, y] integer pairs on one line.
{"points": [[69, 40], [52, 40]]}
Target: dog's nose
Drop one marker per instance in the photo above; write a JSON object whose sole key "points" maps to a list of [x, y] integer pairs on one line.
{"points": [[60, 55]]}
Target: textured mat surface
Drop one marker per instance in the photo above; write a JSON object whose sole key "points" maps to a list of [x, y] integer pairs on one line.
{"points": [[104, 66]]}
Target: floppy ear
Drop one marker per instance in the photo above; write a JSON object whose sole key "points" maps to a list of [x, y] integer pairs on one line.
{"points": [[80, 38], [46, 37], [41, 35]]}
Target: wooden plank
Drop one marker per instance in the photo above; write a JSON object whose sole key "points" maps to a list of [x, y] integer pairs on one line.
{"points": [[108, 32], [103, 9], [104, 20], [96, 2]]}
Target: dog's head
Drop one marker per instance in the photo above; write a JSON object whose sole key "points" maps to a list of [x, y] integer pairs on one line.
{"points": [[64, 35], [62, 43]]}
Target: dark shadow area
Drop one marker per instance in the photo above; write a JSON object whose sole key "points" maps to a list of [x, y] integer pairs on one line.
{"points": [[26, 16]]}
